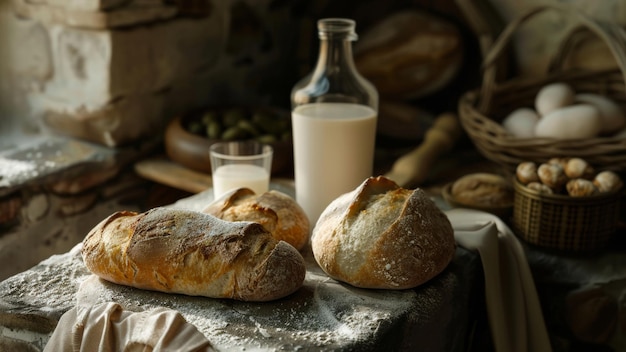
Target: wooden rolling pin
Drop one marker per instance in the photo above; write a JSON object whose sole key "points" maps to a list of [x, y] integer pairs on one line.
{"points": [[413, 168]]}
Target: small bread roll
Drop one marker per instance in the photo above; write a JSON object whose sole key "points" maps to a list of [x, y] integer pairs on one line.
{"points": [[580, 188], [383, 236], [540, 187], [579, 168], [526, 172], [482, 189], [552, 175], [277, 212], [607, 181]]}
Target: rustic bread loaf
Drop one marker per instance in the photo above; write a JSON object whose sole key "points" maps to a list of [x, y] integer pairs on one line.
{"points": [[483, 189], [383, 236], [188, 252], [276, 211], [410, 54]]}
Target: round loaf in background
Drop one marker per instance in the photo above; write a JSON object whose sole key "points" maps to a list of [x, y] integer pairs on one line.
{"points": [[277, 212], [410, 54], [383, 236], [483, 189]]}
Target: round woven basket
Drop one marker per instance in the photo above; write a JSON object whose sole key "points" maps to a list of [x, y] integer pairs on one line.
{"points": [[572, 224], [481, 111]]}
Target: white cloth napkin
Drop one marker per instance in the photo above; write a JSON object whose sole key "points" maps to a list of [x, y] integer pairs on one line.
{"points": [[513, 307], [108, 327]]}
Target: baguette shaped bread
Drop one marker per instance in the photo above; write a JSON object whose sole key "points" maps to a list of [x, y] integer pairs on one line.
{"points": [[383, 236], [192, 253], [276, 211]]}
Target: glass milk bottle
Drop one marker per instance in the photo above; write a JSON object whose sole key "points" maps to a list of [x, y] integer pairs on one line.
{"points": [[334, 112]]}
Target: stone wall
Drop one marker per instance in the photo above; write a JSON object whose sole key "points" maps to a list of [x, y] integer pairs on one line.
{"points": [[109, 77], [112, 73]]}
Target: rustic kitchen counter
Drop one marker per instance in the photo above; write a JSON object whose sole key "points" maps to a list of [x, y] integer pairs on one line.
{"points": [[323, 315]]}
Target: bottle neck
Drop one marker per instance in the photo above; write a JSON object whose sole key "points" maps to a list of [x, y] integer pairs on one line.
{"points": [[335, 77], [335, 57]]}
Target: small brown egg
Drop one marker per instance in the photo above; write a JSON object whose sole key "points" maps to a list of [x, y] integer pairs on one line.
{"points": [[526, 172], [580, 187], [559, 160], [579, 168], [540, 187], [607, 181], [552, 175]]}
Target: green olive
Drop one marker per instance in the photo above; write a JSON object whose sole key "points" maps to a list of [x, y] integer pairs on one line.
{"points": [[249, 127], [265, 121], [266, 138], [208, 117], [213, 129], [231, 117], [233, 133]]}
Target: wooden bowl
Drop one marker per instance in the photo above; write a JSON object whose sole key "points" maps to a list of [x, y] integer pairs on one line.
{"points": [[192, 150]]}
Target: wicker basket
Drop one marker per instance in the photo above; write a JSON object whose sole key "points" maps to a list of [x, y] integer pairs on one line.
{"points": [[481, 111], [574, 224]]}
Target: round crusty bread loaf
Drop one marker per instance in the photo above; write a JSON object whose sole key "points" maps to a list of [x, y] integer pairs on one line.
{"points": [[188, 252], [383, 236], [276, 211], [483, 189]]}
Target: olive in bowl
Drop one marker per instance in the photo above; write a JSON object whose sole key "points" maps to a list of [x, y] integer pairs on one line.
{"points": [[188, 137]]}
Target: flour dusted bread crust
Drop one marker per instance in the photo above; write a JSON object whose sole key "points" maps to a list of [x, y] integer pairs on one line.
{"points": [[383, 236], [276, 211], [192, 253]]}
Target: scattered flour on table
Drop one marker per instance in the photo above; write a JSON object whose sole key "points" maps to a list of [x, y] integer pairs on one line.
{"points": [[11, 169], [323, 315], [50, 286]]}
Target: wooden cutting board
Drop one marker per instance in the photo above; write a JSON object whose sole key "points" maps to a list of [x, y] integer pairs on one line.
{"points": [[170, 173], [167, 172]]}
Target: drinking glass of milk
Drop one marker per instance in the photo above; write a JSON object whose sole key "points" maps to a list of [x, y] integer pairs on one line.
{"points": [[238, 164]]}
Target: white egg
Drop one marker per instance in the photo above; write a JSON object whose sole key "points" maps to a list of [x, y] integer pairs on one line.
{"points": [[612, 114], [570, 122], [521, 122], [553, 96]]}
